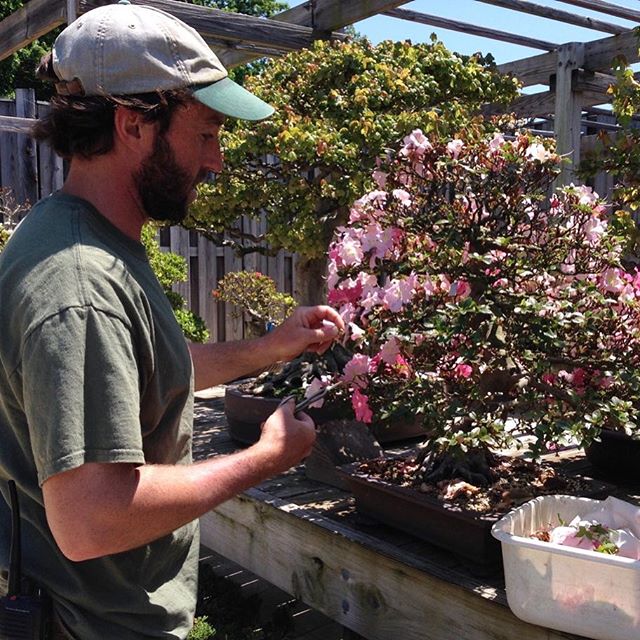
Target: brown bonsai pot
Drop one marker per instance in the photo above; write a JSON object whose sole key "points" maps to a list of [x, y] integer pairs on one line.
{"points": [[464, 533], [616, 455], [245, 413]]}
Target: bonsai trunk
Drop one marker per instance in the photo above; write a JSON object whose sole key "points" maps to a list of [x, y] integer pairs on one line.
{"points": [[310, 280]]}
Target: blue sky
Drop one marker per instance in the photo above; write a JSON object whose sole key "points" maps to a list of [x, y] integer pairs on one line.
{"points": [[383, 27]]}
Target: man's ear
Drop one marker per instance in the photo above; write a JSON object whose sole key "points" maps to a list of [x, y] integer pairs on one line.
{"points": [[132, 131]]}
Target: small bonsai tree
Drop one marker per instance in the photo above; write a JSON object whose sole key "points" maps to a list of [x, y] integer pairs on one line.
{"points": [[485, 305], [256, 295], [338, 107]]}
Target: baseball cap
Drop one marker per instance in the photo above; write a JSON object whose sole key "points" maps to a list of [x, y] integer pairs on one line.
{"points": [[124, 49]]}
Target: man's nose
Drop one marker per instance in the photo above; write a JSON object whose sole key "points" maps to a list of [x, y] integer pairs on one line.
{"points": [[214, 161]]}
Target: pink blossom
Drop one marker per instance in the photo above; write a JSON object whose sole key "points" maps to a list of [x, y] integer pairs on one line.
{"points": [[316, 385], [390, 350], [463, 371], [415, 144], [611, 280], [355, 332], [349, 248], [454, 147], [399, 293], [549, 378], [380, 178], [497, 142], [356, 370], [586, 195], [460, 289], [594, 228], [403, 196], [360, 403], [537, 151], [348, 290]]}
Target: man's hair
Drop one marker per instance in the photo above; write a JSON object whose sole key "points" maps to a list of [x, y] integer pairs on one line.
{"points": [[84, 125]]}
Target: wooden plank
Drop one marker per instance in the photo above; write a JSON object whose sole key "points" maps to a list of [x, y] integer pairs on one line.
{"points": [[207, 280], [606, 7], [215, 23], [179, 243], [323, 15], [233, 320], [50, 164], [31, 21], [367, 587], [568, 111], [26, 162], [527, 106], [465, 27], [525, 6]]}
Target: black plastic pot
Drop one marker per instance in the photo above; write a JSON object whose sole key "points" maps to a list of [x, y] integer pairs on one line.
{"points": [[616, 455]]}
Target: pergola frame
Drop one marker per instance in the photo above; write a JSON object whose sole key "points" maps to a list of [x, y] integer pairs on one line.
{"points": [[578, 74]]}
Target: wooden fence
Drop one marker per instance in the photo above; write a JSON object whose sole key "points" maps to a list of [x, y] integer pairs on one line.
{"points": [[33, 171]]}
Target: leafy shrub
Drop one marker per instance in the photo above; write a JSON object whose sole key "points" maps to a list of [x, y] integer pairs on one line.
{"points": [[171, 268]]}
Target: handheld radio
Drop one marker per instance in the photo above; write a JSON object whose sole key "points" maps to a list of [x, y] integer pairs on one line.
{"points": [[24, 612]]}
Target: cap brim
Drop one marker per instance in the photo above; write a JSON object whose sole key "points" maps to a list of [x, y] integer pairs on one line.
{"points": [[230, 99]]}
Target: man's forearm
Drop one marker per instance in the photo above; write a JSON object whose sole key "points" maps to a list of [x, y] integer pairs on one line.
{"points": [[140, 504], [220, 362]]}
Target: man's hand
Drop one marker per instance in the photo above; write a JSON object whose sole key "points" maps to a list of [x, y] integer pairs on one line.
{"points": [[307, 329], [286, 439]]}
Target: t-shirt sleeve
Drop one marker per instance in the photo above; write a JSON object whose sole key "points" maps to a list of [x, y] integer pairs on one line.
{"points": [[82, 391]]}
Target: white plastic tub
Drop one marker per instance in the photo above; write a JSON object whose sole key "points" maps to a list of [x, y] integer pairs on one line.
{"points": [[568, 589]]}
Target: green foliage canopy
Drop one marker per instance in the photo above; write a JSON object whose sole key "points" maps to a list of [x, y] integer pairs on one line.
{"points": [[340, 106]]}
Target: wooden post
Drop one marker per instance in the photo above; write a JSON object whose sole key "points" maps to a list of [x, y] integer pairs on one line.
{"points": [[179, 243], [72, 10], [25, 159], [568, 110]]}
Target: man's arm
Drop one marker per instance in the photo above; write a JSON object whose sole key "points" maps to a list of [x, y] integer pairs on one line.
{"points": [[99, 509], [307, 329]]}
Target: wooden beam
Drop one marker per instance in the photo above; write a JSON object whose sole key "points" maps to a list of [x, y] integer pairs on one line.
{"points": [[606, 7], [465, 27], [532, 70], [324, 15], [12, 124], [34, 19], [223, 25], [599, 54], [532, 8]]}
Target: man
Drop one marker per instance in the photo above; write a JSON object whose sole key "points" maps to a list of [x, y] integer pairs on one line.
{"points": [[96, 379]]}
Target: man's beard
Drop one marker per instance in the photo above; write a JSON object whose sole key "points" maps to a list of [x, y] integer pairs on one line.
{"points": [[163, 185]]}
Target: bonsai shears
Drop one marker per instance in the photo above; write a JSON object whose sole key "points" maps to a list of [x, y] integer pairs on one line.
{"points": [[305, 403]]}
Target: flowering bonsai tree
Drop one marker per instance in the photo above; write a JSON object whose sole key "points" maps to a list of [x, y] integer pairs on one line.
{"points": [[485, 305], [339, 105]]}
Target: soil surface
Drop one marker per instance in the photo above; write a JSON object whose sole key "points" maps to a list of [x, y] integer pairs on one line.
{"points": [[515, 481]]}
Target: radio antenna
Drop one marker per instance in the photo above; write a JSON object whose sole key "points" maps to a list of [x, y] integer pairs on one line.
{"points": [[15, 568]]}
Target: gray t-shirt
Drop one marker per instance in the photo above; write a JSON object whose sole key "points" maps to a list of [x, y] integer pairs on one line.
{"points": [[93, 368]]}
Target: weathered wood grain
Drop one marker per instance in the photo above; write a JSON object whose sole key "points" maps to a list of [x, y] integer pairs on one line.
{"points": [[357, 580], [535, 9], [29, 22], [465, 27], [323, 15]]}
